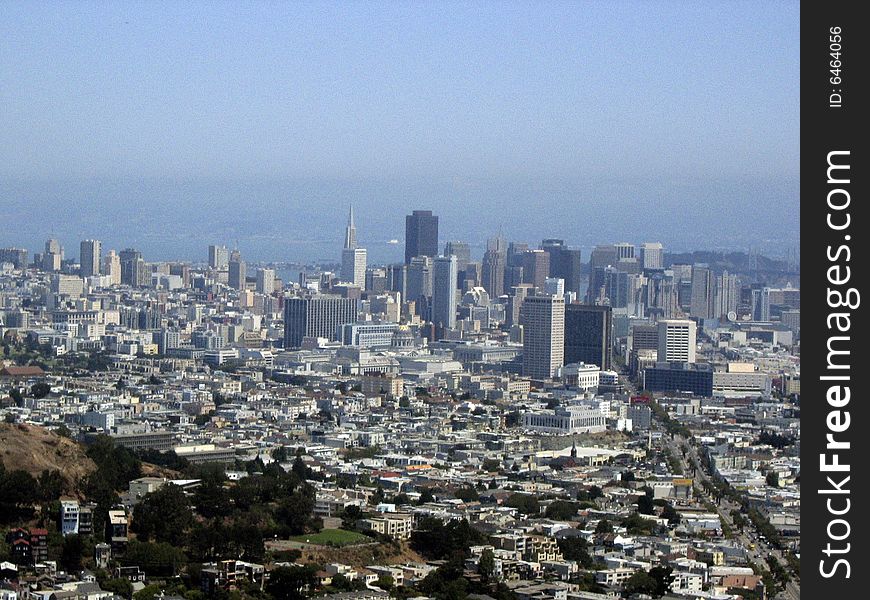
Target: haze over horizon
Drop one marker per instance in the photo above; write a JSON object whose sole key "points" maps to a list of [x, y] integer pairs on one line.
{"points": [[171, 126]]}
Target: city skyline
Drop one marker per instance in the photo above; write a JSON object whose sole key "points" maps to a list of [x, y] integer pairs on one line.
{"points": [[263, 132]]}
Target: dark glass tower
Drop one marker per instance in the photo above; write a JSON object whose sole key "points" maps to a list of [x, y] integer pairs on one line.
{"points": [[588, 335], [421, 235]]}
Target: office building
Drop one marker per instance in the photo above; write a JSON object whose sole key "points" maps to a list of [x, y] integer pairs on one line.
{"points": [[536, 268], [677, 340], [588, 331], [543, 321], [52, 258], [316, 316], [90, 255], [265, 281], [703, 293], [494, 265], [16, 256], [132, 268], [237, 271], [218, 258], [462, 252], [565, 263], [600, 258], [419, 280], [444, 274], [368, 335], [624, 251], [554, 286], [112, 267], [652, 255], [421, 235], [679, 377], [727, 295], [350, 232], [353, 266]]}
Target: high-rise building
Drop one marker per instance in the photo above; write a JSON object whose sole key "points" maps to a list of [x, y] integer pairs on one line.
{"points": [[761, 304], [518, 295], [624, 251], [462, 252], [16, 256], [112, 267], [421, 235], [52, 258], [353, 266], [564, 263], [316, 316], [350, 232], [554, 286], [703, 292], [588, 331], [494, 265], [90, 254], [727, 294], [444, 273], [652, 255], [601, 257], [237, 271], [132, 268], [218, 258], [419, 283], [265, 281], [536, 268], [397, 280], [543, 321], [677, 339]]}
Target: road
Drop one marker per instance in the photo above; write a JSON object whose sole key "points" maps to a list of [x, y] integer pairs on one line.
{"points": [[746, 536]]}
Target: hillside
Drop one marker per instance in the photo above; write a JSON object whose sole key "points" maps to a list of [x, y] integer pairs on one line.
{"points": [[35, 449]]}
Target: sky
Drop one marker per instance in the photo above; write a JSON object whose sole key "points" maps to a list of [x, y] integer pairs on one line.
{"points": [[173, 125]]}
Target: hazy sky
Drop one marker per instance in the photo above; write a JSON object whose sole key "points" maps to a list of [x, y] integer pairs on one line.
{"points": [[393, 99]]}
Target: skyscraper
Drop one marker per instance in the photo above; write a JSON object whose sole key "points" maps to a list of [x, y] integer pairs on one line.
{"points": [[218, 257], [444, 275], [316, 316], [52, 258], [565, 263], [419, 279], [90, 255], [494, 265], [353, 266], [601, 257], [421, 235], [350, 232], [677, 339], [543, 320], [624, 251], [237, 271], [536, 268], [652, 255], [132, 267], [727, 294], [703, 293], [353, 259], [462, 252], [588, 331], [112, 267], [265, 281]]}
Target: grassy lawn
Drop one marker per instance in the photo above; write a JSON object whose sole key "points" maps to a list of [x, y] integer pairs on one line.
{"points": [[335, 537]]}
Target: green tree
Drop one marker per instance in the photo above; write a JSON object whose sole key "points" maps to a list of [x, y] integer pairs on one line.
{"points": [[40, 390], [561, 510], [486, 565], [604, 526], [164, 515], [155, 558], [467, 494], [525, 503], [73, 552], [576, 548], [291, 583], [119, 586]]}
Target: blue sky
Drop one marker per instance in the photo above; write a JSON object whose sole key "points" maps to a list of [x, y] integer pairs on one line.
{"points": [[498, 97]]}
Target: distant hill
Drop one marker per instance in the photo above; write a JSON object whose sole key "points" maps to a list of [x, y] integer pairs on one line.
{"points": [[35, 449]]}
